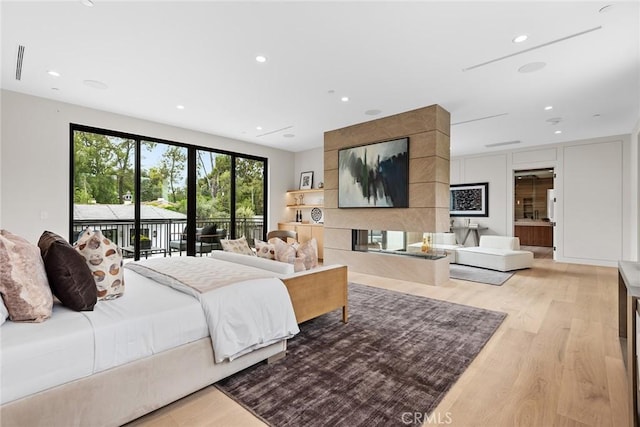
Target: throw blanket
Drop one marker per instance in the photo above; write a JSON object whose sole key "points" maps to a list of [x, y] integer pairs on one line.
{"points": [[246, 308]]}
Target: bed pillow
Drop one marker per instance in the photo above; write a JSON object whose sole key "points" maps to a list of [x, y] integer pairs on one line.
{"points": [[309, 250], [285, 252], [238, 246], [265, 250], [23, 280], [69, 277], [104, 259]]}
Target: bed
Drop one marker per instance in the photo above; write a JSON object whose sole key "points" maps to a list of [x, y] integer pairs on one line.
{"points": [[74, 380]]}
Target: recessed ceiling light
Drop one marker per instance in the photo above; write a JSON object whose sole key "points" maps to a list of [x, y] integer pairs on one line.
{"points": [[331, 91], [53, 73], [95, 84], [532, 67], [548, 107], [261, 58], [596, 115], [88, 3], [520, 38], [55, 88], [180, 107], [558, 132], [344, 99], [258, 127]]}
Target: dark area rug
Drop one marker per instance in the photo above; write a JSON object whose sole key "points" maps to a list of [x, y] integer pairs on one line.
{"points": [[398, 354], [480, 275]]}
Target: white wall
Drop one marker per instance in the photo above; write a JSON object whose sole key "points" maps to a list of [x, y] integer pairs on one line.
{"points": [[309, 160], [635, 188], [597, 204], [34, 164]]}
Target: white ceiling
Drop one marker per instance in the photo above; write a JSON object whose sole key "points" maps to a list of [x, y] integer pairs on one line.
{"points": [[387, 56]]}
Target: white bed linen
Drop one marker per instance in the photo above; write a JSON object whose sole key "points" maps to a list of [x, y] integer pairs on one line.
{"points": [[37, 356], [242, 316], [146, 320]]}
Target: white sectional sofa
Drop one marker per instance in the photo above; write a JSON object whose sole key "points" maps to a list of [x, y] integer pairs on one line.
{"points": [[496, 253]]}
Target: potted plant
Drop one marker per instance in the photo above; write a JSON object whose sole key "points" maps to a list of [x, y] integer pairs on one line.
{"points": [[145, 242]]}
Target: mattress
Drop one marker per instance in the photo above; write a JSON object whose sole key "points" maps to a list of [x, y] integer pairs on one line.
{"points": [[146, 320], [37, 356]]}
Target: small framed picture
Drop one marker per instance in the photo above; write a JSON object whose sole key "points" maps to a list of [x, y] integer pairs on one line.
{"points": [[306, 180]]}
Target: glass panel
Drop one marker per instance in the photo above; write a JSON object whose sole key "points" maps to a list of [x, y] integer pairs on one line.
{"points": [[250, 210], [163, 198], [427, 245], [103, 182], [213, 199]]}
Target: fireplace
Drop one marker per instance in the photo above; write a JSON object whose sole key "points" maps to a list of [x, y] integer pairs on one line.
{"points": [[403, 243]]}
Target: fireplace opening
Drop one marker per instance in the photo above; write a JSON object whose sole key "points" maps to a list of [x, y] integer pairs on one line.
{"points": [[415, 244]]}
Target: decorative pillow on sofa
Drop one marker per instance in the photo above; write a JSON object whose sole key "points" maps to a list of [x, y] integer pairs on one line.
{"points": [[265, 250], [238, 246], [69, 277], [309, 250], [287, 253], [104, 259], [23, 280]]}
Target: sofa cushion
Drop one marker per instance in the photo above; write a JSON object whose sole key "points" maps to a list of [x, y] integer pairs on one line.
{"points": [[104, 259], [238, 246], [288, 253], [494, 259], [23, 280], [500, 242], [309, 251], [265, 250]]}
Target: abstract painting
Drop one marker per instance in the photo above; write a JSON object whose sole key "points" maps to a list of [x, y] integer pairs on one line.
{"points": [[374, 175], [469, 199]]}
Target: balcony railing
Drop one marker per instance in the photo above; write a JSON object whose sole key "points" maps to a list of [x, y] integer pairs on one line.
{"points": [[160, 232]]}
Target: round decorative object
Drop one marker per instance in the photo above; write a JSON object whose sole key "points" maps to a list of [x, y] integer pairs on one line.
{"points": [[316, 214]]}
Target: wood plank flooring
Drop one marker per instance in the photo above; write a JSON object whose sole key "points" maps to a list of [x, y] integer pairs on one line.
{"points": [[555, 361]]}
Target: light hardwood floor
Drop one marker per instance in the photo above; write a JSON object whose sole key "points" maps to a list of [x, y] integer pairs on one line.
{"points": [[555, 361]]}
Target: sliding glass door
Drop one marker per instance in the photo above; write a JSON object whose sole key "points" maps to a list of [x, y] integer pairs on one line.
{"points": [[155, 197]]}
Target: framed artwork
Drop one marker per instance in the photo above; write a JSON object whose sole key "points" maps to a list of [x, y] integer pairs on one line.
{"points": [[374, 175], [469, 199], [306, 180]]}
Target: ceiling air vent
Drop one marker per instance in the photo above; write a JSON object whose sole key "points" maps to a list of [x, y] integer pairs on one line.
{"points": [[19, 62], [500, 144]]}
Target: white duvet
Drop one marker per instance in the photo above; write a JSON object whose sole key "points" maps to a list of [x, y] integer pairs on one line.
{"points": [[246, 308]]}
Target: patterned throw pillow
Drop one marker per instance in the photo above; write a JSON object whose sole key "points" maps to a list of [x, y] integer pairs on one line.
{"points": [[69, 277], [265, 250], [104, 259], [23, 280], [238, 246], [309, 250], [287, 253]]}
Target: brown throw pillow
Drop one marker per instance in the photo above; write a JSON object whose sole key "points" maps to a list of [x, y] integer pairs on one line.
{"points": [[23, 280], [69, 277]]}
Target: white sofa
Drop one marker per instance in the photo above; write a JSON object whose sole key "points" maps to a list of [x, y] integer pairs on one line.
{"points": [[441, 241], [496, 253]]}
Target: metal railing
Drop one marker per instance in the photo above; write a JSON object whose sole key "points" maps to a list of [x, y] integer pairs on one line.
{"points": [[159, 233]]}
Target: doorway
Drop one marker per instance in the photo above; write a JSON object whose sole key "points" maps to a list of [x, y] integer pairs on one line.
{"points": [[533, 210]]}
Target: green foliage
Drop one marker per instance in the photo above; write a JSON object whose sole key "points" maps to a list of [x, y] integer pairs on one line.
{"points": [[104, 172]]}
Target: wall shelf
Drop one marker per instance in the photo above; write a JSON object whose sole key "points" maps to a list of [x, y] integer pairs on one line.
{"points": [[314, 190], [305, 206]]}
